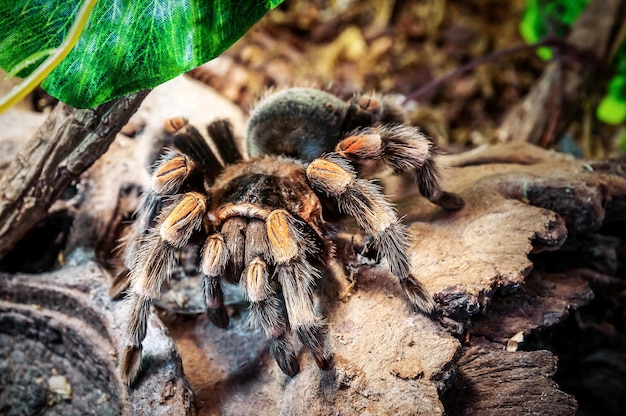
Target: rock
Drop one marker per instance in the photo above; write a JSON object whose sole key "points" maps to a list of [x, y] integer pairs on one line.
{"points": [[59, 386]]}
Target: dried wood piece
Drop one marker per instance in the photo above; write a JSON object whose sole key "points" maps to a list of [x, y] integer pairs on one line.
{"points": [[511, 210], [386, 359], [600, 283], [543, 301], [515, 152], [492, 381], [63, 324], [372, 333]]}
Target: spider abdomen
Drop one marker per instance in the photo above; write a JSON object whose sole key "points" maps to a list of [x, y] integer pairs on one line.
{"points": [[301, 123]]}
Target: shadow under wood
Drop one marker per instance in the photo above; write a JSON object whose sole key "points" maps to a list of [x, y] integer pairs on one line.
{"points": [[223, 366], [39, 250]]}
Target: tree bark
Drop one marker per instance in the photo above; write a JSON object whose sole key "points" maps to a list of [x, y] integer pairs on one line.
{"points": [[68, 143]]}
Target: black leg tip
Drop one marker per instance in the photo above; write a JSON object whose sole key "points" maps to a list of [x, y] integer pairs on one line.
{"points": [[418, 295], [131, 364], [450, 201], [287, 362], [219, 317], [283, 353]]}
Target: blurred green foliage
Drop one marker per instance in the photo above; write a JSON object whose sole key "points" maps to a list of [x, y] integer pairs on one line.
{"points": [[554, 17]]}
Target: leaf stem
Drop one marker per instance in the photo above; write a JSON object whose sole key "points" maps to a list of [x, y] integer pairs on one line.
{"points": [[37, 76]]}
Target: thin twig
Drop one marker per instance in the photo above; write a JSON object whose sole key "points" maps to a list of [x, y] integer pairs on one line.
{"points": [[552, 41]]}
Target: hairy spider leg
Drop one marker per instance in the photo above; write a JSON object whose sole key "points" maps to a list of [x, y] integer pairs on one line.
{"points": [[404, 149], [194, 169], [289, 251], [366, 110], [215, 253], [362, 199], [266, 309], [179, 183], [152, 266], [215, 256], [221, 132], [169, 174]]}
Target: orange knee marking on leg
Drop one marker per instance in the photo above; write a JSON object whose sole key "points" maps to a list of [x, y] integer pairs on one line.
{"points": [[172, 125], [281, 236], [171, 173], [329, 176], [185, 217], [215, 256], [362, 145], [257, 281], [368, 103]]}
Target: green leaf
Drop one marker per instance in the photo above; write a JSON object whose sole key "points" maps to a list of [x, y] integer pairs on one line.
{"points": [[30, 61], [544, 17], [126, 46], [532, 26], [612, 108]]}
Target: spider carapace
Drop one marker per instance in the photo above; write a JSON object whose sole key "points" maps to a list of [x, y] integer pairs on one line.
{"points": [[261, 218]]}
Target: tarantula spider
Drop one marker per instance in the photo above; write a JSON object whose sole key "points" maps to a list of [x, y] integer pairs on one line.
{"points": [[261, 219]]}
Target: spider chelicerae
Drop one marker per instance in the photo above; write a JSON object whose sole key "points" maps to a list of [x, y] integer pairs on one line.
{"points": [[262, 219]]}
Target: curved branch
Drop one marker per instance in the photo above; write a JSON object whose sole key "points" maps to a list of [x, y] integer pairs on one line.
{"points": [[551, 41], [67, 143]]}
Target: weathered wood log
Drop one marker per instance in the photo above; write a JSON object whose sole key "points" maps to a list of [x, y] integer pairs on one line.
{"points": [[543, 301], [68, 142], [512, 210], [492, 381], [59, 338], [386, 359]]}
